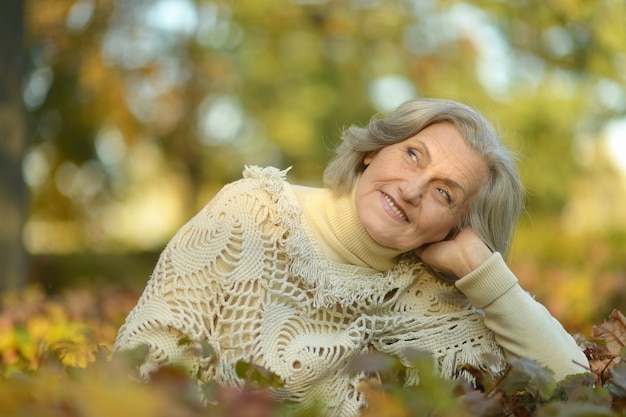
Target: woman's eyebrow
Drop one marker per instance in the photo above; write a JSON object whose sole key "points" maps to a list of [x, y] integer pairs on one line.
{"points": [[426, 151], [454, 184]]}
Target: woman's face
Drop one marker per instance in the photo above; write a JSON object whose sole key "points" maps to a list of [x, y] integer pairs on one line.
{"points": [[416, 191]]}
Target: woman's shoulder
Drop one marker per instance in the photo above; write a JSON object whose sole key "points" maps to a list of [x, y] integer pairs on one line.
{"points": [[271, 183], [253, 202], [260, 188], [267, 172], [269, 176], [255, 180]]}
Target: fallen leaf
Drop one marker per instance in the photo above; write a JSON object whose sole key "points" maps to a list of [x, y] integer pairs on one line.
{"points": [[613, 332]]}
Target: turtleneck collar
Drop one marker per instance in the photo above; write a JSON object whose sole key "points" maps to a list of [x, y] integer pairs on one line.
{"points": [[336, 223]]}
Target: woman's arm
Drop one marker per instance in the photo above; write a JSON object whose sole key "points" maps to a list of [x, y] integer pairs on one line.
{"points": [[152, 325], [208, 275], [522, 326]]}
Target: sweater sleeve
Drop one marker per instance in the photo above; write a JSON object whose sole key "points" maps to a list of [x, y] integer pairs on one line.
{"points": [[151, 325], [522, 326]]}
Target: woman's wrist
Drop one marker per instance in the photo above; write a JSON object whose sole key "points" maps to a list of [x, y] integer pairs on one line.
{"points": [[472, 257]]}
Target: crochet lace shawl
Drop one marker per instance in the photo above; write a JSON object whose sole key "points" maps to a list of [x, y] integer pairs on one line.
{"points": [[244, 276]]}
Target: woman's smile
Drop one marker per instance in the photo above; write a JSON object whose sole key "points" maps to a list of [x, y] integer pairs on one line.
{"points": [[392, 208]]}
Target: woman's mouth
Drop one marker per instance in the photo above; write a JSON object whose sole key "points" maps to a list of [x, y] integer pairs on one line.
{"points": [[394, 209]]}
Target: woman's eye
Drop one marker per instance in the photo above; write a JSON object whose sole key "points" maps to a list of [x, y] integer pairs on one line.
{"points": [[445, 195], [413, 154]]}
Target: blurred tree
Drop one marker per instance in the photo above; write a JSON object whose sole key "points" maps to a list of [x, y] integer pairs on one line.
{"points": [[12, 145], [567, 60]]}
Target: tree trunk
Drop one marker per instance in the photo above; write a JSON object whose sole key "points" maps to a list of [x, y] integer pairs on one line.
{"points": [[12, 145]]}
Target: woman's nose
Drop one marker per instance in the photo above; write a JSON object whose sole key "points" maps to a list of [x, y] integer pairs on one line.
{"points": [[412, 190]]}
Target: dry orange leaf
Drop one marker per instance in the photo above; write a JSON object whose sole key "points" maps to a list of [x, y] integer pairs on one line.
{"points": [[613, 332]]}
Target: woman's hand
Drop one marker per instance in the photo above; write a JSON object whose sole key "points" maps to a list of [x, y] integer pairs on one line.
{"points": [[458, 256]]}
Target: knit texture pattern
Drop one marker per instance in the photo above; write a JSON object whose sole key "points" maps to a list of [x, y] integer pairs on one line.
{"points": [[244, 277]]}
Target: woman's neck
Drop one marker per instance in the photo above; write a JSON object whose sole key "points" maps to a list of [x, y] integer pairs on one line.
{"points": [[336, 225]]}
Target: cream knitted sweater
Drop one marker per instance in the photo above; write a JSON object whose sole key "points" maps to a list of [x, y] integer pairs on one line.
{"points": [[286, 277]]}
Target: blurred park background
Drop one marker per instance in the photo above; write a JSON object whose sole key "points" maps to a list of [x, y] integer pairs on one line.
{"points": [[120, 119]]}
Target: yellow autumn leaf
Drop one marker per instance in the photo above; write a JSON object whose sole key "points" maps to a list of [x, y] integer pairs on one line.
{"points": [[381, 404]]}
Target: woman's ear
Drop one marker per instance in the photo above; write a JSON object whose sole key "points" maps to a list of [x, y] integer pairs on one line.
{"points": [[368, 158]]}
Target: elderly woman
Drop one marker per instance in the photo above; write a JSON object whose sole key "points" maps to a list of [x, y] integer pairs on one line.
{"points": [[404, 250]]}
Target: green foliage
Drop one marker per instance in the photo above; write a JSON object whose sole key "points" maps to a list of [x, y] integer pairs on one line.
{"points": [[257, 376], [524, 389]]}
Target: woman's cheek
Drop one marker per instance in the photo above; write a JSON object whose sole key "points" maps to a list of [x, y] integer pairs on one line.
{"points": [[441, 223]]}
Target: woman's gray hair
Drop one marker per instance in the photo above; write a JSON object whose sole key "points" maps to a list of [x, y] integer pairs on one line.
{"points": [[493, 212]]}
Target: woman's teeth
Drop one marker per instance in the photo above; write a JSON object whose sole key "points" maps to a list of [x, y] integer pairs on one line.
{"points": [[393, 207]]}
